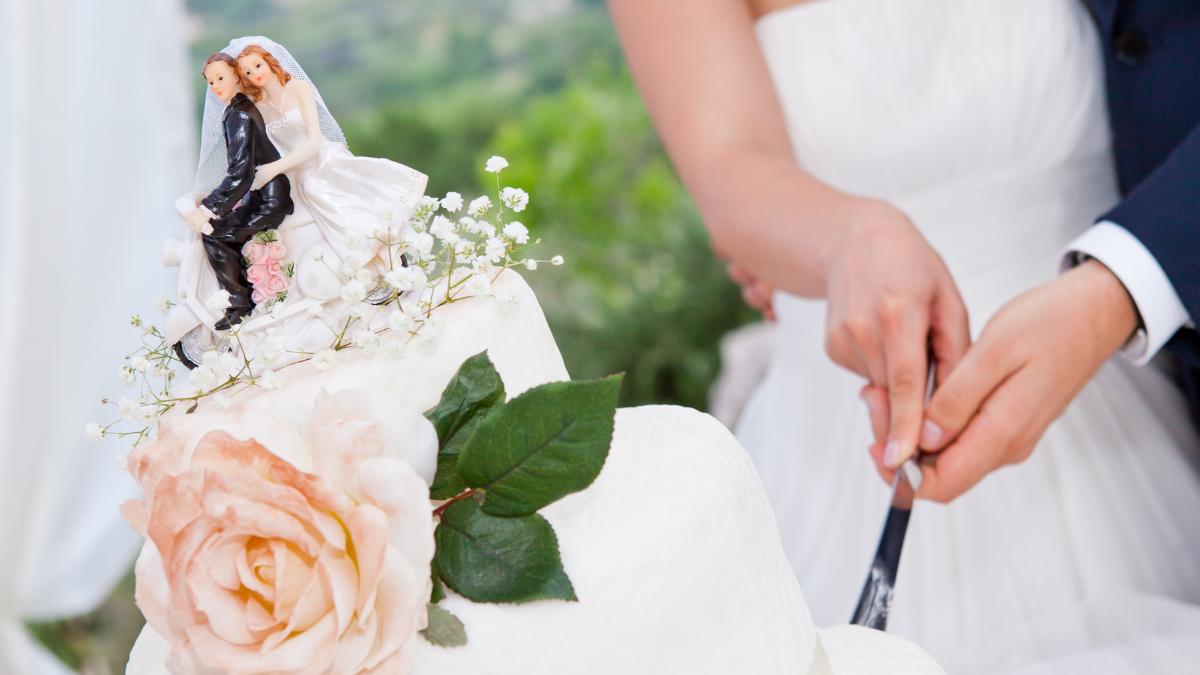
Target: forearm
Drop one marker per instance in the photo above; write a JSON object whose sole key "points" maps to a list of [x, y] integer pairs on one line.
{"points": [[300, 154], [765, 213], [710, 94]]}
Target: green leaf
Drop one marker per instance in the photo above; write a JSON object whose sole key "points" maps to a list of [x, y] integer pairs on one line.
{"points": [[489, 559], [439, 591], [475, 387], [444, 629], [446, 481], [474, 390], [541, 446]]}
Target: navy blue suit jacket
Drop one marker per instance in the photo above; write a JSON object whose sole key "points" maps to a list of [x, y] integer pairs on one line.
{"points": [[1152, 63]]}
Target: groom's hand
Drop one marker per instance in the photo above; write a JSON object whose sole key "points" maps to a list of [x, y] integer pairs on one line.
{"points": [[1032, 358], [199, 220]]}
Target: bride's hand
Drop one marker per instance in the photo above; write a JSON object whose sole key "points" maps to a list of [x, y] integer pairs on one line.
{"points": [[890, 295], [262, 175], [755, 292]]}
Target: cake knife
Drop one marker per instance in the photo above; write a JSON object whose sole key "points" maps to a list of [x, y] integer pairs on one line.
{"points": [[876, 599]]}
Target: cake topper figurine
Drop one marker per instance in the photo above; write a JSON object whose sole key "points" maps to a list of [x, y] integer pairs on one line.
{"points": [[238, 209], [276, 178]]}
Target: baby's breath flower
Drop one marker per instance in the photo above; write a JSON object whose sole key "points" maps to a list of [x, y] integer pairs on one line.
{"points": [[269, 380], [495, 249], [400, 322], [421, 243], [365, 276], [365, 339], [218, 301], [94, 432], [221, 401], [514, 198], [479, 206], [324, 359], [128, 375], [478, 284], [164, 305], [517, 231], [129, 409], [406, 279], [442, 228], [452, 202], [531, 264], [556, 260], [495, 164], [139, 363], [354, 291]]}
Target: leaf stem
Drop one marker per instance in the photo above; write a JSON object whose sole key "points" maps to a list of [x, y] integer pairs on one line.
{"points": [[437, 513]]}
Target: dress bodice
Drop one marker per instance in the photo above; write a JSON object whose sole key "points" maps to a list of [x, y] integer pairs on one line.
{"points": [[983, 120], [287, 131]]}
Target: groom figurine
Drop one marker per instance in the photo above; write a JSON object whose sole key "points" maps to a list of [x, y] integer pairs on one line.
{"points": [[1131, 282], [232, 213]]}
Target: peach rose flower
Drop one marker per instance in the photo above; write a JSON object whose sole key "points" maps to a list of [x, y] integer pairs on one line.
{"points": [[276, 250], [272, 266], [253, 565]]}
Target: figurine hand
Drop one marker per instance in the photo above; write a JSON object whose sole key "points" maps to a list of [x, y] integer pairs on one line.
{"points": [[198, 221], [262, 176]]}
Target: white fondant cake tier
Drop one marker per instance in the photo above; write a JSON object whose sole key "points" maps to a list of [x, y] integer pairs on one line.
{"points": [[673, 551]]}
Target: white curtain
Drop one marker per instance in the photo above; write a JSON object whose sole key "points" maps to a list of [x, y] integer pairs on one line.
{"points": [[97, 135]]}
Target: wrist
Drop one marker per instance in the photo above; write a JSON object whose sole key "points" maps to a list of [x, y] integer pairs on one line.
{"points": [[1113, 307], [859, 220]]}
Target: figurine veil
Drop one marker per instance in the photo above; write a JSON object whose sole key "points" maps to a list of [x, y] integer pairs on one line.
{"points": [[210, 168]]}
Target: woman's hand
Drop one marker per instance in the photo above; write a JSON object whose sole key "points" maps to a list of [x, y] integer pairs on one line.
{"points": [[263, 175], [890, 295], [755, 292]]}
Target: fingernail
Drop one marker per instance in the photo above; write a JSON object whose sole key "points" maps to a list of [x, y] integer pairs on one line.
{"points": [[891, 454], [930, 434]]}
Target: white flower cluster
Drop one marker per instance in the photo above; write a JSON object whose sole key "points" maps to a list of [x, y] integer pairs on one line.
{"points": [[392, 281]]}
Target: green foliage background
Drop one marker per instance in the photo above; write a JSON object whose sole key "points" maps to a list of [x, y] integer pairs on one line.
{"points": [[441, 86]]}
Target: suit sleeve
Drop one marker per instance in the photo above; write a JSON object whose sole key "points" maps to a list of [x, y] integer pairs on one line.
{"points": [[1163, 212], [239, 148]]}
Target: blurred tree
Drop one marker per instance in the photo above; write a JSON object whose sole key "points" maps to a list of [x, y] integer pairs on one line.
{"points": [[643, 292]]}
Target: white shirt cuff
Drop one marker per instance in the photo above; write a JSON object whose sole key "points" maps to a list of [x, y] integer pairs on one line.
{"points": [[1161, 310]]}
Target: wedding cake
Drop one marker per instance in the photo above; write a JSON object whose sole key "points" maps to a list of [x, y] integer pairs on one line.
{"points": [[672, 551], [398, 476]]}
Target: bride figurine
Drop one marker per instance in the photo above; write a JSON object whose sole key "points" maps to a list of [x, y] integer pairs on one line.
{"points": [[349, 197]]}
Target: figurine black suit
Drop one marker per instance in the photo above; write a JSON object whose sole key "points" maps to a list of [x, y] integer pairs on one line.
{"points": [[247, 147]]}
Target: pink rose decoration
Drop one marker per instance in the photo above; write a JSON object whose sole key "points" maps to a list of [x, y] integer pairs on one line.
{"points": [[254, 251], [257, 273], [276, 250], [276, 283], [260, 296], [271, 265], [255, 566]]}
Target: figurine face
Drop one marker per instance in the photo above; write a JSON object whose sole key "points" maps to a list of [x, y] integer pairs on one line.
{"points": [[255, 69], [222, 79]]}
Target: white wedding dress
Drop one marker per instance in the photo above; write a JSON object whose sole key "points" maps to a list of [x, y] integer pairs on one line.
{"points": [[985, 122], [348, 198]]}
